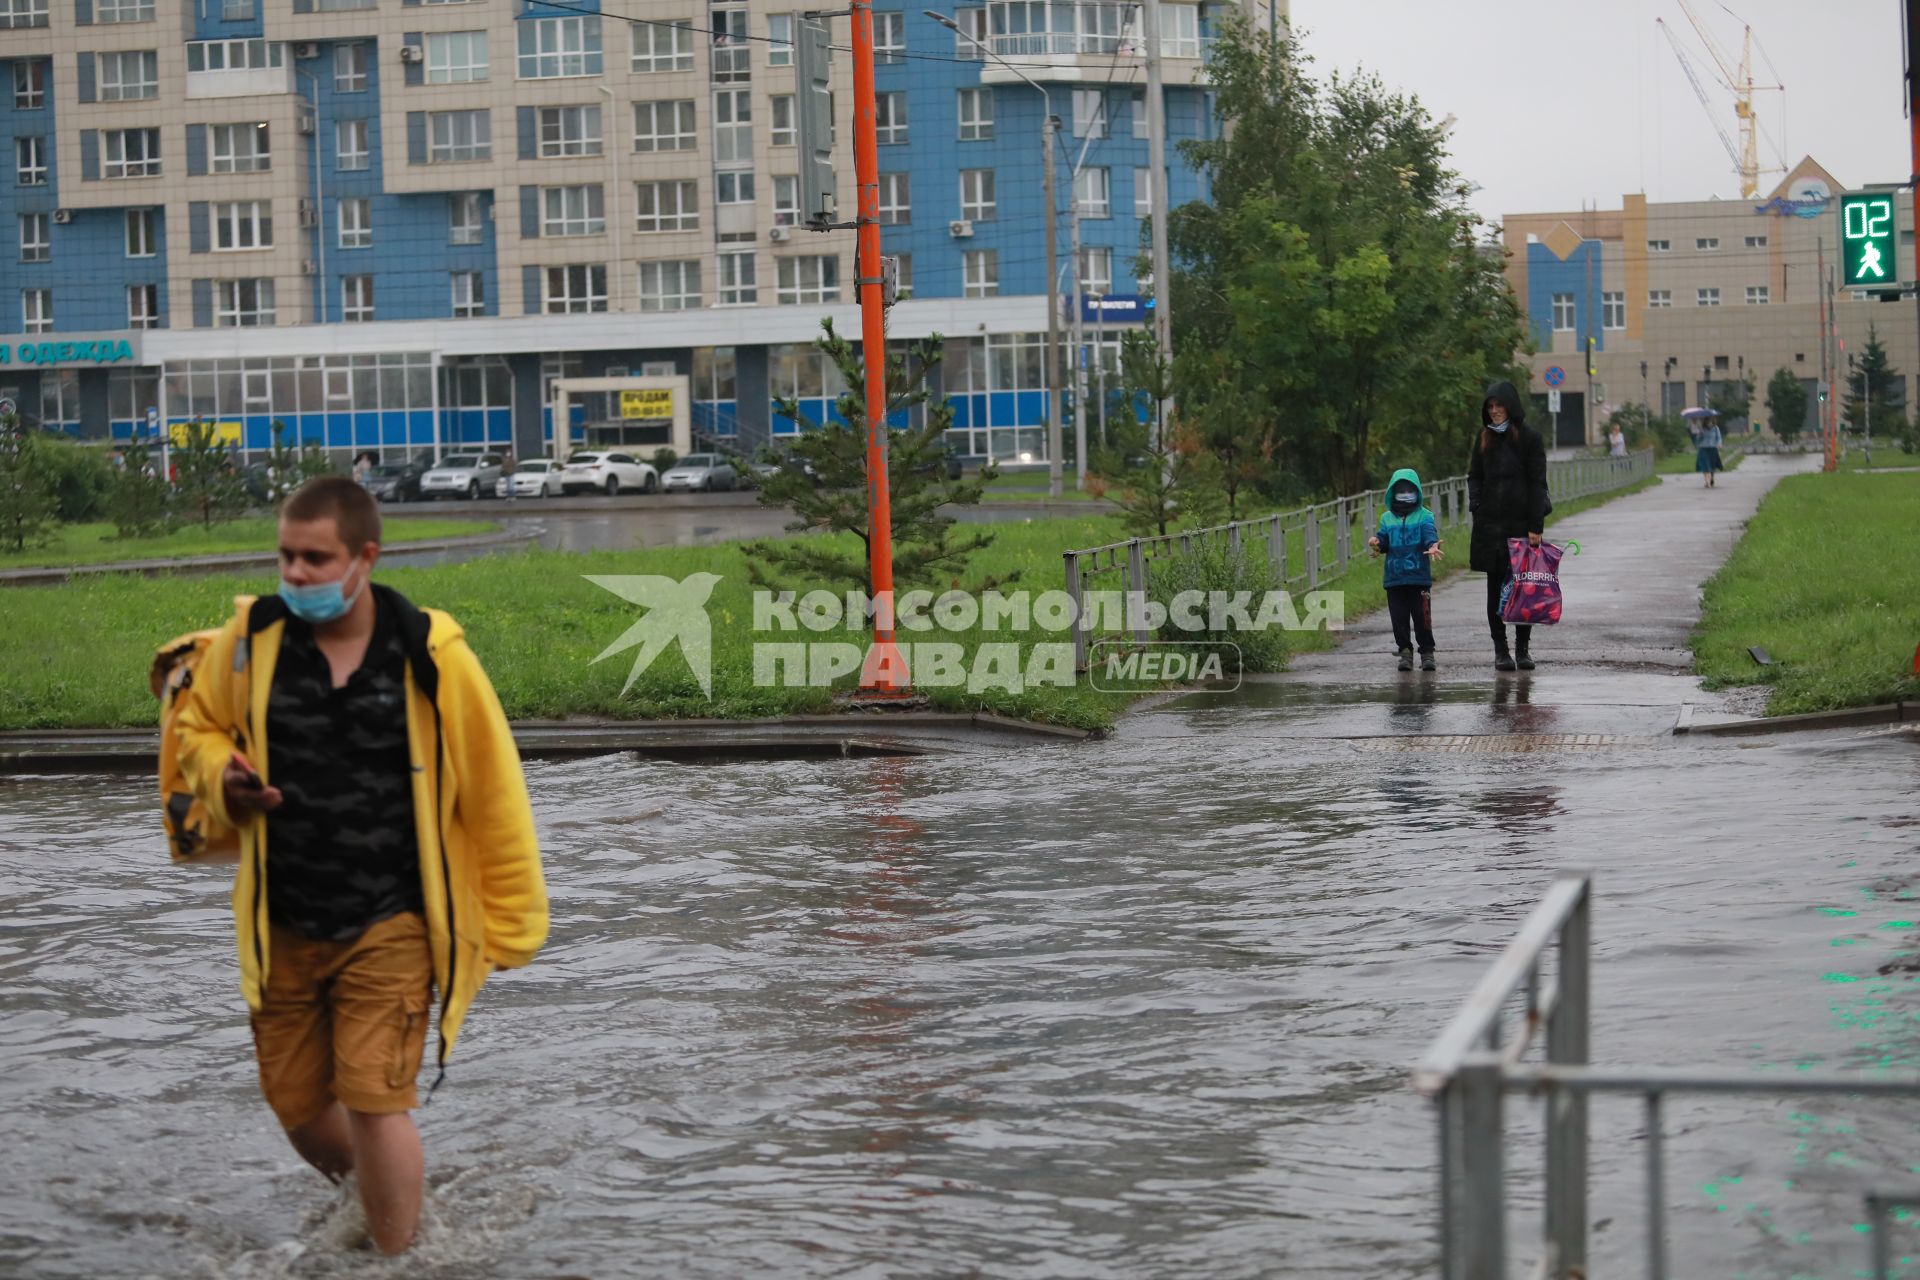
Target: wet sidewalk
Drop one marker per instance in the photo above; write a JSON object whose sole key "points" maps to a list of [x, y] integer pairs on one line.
{"points": [[1619, 665]]}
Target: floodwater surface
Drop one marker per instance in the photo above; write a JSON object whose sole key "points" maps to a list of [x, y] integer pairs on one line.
{"points": [[1143, 1007]]}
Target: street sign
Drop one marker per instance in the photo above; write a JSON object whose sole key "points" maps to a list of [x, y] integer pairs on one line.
{"points": [[1113, 308], [7, 406], [153, 421], [1553, 400], [1555, 375], [1867, 255]]}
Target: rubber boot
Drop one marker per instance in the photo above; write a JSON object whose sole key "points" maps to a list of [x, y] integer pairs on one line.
{"points": [[1502, 659], [1522, 636], [1406, 659]]}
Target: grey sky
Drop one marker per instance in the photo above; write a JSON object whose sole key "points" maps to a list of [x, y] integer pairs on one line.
{"points": [[1560, 103]]}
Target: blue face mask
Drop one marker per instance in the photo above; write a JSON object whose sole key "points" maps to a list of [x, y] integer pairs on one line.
{"points": [[321, 602], [1498, 428]]}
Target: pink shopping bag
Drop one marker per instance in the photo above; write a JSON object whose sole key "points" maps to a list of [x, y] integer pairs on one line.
{"points": [[1532, 596]]}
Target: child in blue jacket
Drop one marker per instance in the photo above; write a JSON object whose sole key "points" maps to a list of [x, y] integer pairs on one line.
{"points": [[1409, 539]]}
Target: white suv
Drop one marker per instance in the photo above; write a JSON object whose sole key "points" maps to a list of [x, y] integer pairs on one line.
{"points": [[610, 473], [461, 475]]}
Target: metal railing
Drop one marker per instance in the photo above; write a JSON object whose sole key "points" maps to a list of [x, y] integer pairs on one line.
{"points": [[1310, 546], [1479, 1059]]}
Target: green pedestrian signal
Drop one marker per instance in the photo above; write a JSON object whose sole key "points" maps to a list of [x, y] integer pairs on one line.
{"points": [[1867, 255]]}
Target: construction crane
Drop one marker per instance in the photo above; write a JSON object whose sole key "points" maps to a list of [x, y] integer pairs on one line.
{"points": [[1738, 80]]}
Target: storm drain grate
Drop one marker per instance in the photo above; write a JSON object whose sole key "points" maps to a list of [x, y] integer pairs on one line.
{"points": [[1505, 743]]}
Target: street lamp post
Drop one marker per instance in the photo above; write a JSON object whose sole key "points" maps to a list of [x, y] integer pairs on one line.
{"points": [[1049, 125]]}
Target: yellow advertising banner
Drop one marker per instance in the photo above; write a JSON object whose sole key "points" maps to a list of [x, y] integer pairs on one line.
{"points": [[223, 433], [653, 402]]}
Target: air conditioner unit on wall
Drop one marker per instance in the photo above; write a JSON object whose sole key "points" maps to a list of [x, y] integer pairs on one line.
{"points": [[412, 53], [309, 215], [960, 229], [306, 49], [309, 268], [780, 235], [305, 123], [63, 216]]}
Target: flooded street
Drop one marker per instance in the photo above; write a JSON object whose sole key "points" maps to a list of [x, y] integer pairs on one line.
{"points": [[1142, 1007]]}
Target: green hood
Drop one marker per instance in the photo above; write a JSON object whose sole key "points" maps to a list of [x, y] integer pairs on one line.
{"points": [[1411, 477]]}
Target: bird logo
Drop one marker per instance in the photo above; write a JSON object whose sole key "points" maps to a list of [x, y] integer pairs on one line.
{"points": [[675, 610]]}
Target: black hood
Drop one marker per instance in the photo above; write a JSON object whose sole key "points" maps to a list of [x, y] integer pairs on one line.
{"points": [[1504, 393]]}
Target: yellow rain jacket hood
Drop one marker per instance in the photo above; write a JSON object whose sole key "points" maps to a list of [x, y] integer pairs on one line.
{"points": [[486, 898]]}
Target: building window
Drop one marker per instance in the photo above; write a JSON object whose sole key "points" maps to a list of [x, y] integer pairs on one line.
{"points": [[573, 211], [234, 55], [890, 117], [23, 13], [351, 151], [131, 11], [738, 280], [733, 126], [243, 303], [1090, 113], [809, 279], [733, 188], [731, 61], [30, 161], [1707, 244], [1659, 297], [1143, 193], [36, 310], [1563, 313], [889, 37], [469, 294], [903, 274], [1707, 297], [236, 11], [976, 115], [895, 205], [1659, 246], [143, 306], [36, 237], [781, 132], [143, 239], [569, 131], [349, 68], [240, 148], [977, 194], [780, 39], [786, 201], [980, 273], [246, 224], [29, 86], [1756, 242], [666, 206], [1180, 30], [466, 218], [456, 57], [457, 136], [1757, 295], [663, 126], [1093, 192], [969, 40], [554, 47], [576, 289], [669, 286], [662, 46], [1613, 311], [1096, 271], [356, 223], [129, 76], [356, 299]]}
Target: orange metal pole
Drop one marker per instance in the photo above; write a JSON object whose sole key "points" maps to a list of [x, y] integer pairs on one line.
{"points": [[884, 672]]}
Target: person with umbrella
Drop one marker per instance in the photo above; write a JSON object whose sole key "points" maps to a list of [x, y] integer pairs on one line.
{"points": [[1705, 426]]}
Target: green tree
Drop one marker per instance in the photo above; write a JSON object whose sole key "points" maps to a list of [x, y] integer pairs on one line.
{"points": [[1733, 401], [140, 502], [208, 477], [927, 549], [1870, 382], [1786, 404], [81, 477], [1338, 279], [288, 468], [28, 507], [1140, 469]]}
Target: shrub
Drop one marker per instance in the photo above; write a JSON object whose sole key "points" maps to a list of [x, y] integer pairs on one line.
{"points": [[1215, 567], [81, 478]]}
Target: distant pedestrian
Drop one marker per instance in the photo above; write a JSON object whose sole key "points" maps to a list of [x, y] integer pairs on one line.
{"points": [[1507, 494], [1706, 456], [362, 468], [1409, 539], [1617, 442]]}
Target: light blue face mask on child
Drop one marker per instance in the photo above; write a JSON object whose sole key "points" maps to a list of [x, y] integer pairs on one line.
{"points": [[321, 602]]}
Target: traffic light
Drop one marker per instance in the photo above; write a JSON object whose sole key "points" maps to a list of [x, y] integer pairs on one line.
{"points": [[1867, 254]]}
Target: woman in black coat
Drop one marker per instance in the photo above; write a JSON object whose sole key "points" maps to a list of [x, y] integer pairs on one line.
{"points": [[1507, 493]]}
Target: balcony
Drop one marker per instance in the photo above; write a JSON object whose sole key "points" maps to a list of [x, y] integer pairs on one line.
{"points": [[1081, 42], [238, 68]]}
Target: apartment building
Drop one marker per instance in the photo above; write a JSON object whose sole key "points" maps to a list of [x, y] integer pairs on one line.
{"points": [[1679, 298], [391, 224]]}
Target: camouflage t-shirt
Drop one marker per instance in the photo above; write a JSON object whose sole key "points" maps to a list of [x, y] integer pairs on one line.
{"points": [[341, 848]]}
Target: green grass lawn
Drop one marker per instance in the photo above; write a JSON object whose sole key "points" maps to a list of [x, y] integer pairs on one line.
{"points": [[96, 544], [1886, 454], [1825, 582]]}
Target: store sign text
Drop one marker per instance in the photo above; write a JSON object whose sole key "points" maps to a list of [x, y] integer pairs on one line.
{"points": [[110, 351]]}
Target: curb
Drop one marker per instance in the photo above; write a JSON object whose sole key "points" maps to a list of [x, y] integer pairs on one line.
{"points": [[53, 575], [1846, 718], [863, 734]]}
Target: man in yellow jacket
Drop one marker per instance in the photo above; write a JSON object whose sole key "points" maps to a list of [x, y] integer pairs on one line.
{"points": [[387, 847]]}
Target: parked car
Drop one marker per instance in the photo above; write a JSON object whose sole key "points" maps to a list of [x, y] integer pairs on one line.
{"points": [[534, 478], [608, 472], [705, 472], [461, 475], [396, 481]]}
